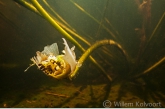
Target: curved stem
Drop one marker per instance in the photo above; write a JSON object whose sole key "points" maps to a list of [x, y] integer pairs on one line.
{"points": [[90, 50], [62, 31]]}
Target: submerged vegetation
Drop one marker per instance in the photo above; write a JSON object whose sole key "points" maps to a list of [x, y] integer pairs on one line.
{"points": [[144, 33], [129, 69]]}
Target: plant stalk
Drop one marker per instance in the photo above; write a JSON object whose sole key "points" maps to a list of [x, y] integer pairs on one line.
{"points": [[90, 50], [62, 31]]}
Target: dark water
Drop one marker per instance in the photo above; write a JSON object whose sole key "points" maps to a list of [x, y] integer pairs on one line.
{"points": [[24, 32]]}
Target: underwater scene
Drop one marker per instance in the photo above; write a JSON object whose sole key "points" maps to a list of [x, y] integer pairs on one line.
{"points": [[82, 53]]}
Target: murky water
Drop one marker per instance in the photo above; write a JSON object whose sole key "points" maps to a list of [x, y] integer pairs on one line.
{"points": [[137, 79]]}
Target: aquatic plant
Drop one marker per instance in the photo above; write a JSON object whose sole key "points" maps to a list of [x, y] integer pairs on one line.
{"points": [[137, 69], [37, 8], [53, 64], [53, 22]]}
